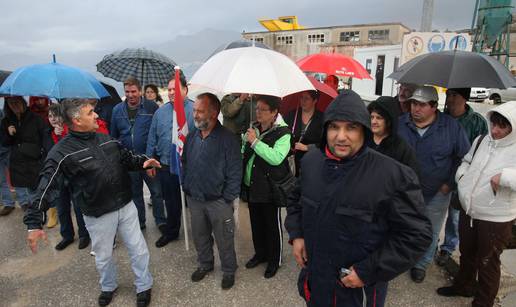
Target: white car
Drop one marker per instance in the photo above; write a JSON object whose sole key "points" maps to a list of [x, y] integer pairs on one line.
{"points": [[502, 95], [479, 94]]}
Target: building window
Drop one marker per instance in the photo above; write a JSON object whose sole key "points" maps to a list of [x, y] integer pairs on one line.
{"points": [[257, 39], [284, 40], [350, 36], [315, 38], [378, 35]]}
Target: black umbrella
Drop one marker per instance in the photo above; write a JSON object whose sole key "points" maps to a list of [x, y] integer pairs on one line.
{"points": [[3, 75], [239, 44], [146, 65], [455, 69]]}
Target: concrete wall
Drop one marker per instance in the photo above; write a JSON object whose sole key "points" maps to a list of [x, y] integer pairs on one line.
{"points": [[366, 87]]}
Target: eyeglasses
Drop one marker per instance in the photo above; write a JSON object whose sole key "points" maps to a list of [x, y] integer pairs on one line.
{"points": [[262, 110]]}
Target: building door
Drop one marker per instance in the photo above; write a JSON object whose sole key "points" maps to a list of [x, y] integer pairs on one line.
{"points": [[379, 75]]}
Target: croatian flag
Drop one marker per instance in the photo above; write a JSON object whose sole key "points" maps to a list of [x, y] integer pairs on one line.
{"points": [[179, 127]]}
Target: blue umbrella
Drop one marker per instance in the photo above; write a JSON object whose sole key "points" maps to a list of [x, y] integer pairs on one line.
{"points": [[52, 80]]}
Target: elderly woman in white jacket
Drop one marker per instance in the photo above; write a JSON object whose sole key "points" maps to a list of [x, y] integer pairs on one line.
{"points": [[487, 190]]}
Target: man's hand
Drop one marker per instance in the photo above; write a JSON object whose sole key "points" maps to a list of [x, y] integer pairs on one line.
{"points": [[251, 135], [151, 163], [301, 146], [243, 97], [445, 189], [151, 172], [12, 130], [352, 280], [495, 182], [33, 237], [299, 251]]}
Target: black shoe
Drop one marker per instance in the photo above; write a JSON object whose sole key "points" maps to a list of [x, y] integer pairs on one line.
{"points": [[6, 210], [453, 291], [162, 228], [228, 280], [270, 271], [142, 226], [163, 240], [106, 297], [63, 244], [442, 258], [84, 242], [254, 262], [417, 275], [200, 273], [143, 298]]}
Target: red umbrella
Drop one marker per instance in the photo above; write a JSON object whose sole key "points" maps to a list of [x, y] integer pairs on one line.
{"points": [[326, 95], [333, 64]]}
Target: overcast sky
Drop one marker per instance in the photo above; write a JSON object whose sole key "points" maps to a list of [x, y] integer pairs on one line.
{"points": [[30, 27]]}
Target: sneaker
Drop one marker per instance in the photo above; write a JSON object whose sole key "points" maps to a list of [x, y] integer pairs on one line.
{"points": [[84, 242], [417, 275], [254, 262], [163, 240], [63, 244], [442, 258], [228, 280], [200, 273], [271, 270], [106, 297], [6, 211], [454, 291], [143, 298]]}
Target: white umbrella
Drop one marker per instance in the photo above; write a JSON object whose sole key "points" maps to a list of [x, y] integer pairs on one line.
{"points": [[251, 70]]}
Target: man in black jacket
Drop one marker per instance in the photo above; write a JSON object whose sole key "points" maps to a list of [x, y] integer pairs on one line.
{"points": [[96, 166], [356, 220]]}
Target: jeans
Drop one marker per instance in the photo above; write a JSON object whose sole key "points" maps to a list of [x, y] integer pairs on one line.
{"points": [[102, 230], [158, 210], [172, 197], [435, 208], [64, 204], [5, 194], [451, 231]]}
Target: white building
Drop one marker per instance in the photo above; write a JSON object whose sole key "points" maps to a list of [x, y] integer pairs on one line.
{"points": [[380, 62]]}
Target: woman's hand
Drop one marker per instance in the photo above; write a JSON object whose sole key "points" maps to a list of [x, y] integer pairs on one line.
{"points": [[301, 146], [58, 130], [251, 135]]}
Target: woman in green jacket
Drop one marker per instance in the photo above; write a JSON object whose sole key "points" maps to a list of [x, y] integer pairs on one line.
{"points": [[265, 148]]}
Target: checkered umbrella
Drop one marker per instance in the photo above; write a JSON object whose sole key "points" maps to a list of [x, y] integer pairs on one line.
{"points": [[145, 65]]}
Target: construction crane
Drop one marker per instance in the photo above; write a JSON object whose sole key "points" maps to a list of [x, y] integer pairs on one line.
{"points": [[493, 19]]}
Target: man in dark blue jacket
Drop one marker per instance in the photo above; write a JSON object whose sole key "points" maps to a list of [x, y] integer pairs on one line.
{"points": [[212, 172], [356, 219], [130, 124], [440, 143]]}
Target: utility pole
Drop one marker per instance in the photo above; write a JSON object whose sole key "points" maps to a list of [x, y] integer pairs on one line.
{"points": [[426, 18]]}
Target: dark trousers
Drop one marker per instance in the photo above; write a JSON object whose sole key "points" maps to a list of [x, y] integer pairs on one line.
{"points": [[137, 179], [171, 192], [266, 232], [481, 244], [64, 204]]}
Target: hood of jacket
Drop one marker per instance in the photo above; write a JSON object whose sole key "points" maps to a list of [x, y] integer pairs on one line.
{"points": [[507, 110], [347, 106], [388, 109]]}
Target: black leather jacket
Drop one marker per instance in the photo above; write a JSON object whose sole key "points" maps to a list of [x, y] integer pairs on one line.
{"points": [[96, 168]]}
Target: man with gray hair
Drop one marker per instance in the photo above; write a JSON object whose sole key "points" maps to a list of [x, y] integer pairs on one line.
{"points": [[212, 170], [96, 167]]}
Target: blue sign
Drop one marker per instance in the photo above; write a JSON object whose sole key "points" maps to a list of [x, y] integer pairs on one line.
{"points": [[436, 43], [460, 41]]}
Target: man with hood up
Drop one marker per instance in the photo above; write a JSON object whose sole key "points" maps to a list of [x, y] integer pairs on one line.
{"points": [[357, 219], [486, 182]]}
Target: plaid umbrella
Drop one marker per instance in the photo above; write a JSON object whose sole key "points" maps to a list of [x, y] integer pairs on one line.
{"points": [[145, 65]]}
